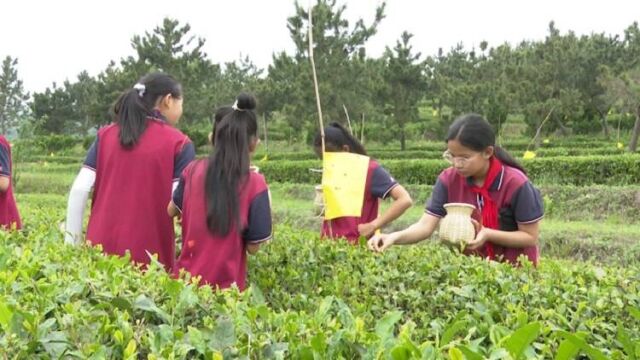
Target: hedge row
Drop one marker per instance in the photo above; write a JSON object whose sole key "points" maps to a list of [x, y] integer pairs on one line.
{"points": [[583, 170], [380, 155], [437, 154], [578, 170]]}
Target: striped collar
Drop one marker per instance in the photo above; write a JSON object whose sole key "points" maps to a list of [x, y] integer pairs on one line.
{"points": [[157, 115]]}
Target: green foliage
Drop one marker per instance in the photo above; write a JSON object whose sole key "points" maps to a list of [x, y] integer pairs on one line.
{"points": [[578, 170], [452, 300], [12, 95], [571, 80], [329, 300], [382, 155], [625, 89], [199, 135], [346, 77], [45, 145], [405, 84]]}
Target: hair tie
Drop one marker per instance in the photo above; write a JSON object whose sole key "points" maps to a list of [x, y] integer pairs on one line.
{"points": [[235, 106], [140, 88]]}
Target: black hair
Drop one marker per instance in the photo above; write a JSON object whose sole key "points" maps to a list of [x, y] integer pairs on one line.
{"points": [[220, 113], [134, 105], [335, 137], [475, 133], [228, 165]]}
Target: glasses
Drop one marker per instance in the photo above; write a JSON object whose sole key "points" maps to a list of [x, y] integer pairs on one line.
{"points": [[452, 159]]}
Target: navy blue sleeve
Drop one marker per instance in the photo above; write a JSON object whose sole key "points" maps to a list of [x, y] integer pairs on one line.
{"points": [[5, 162], [178, 194], [381, 183], [527, 204], [183, 158], [439, 197], [259, 222], [91, 161]]}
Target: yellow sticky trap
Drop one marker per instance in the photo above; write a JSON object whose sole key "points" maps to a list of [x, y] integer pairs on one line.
{"points": [[529, 155], [344, 176]]}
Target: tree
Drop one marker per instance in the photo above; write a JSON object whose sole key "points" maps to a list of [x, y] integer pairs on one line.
{"points": [[342, 66], [626, 89], [172, 49], [405, 83], [84, 95], [12, 96], [239, 76], [547, 87], [52, 110], [86, 103]]}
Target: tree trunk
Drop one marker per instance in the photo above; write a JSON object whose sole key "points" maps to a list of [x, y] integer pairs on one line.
{"points": [[633, 144], [266, 142], [537, 136], [605, 126], [563, 129], [362, 131], [86, 124]]}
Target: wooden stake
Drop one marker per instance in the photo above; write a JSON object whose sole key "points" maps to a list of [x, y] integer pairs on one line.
{"points": [[348, 120], [315, 78], [315, 84]]}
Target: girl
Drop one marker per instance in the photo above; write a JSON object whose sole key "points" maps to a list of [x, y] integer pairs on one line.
{"points": [[379, 185], [9, 216], [486, 176], [132, 166], [225, 207]]}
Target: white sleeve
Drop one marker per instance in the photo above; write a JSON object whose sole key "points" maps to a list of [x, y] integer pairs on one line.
{"points": [[78, 196]]}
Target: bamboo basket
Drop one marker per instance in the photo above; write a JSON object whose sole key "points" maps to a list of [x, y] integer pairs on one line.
{"points": [[456, 227]]}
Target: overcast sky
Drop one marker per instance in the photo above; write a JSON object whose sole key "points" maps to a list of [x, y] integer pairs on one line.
{"points": [[55, 40]]}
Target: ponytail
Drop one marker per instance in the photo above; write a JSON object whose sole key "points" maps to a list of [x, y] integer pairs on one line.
{"points": [[507, 159], [133, 107], [336, 137], [228, 165]]}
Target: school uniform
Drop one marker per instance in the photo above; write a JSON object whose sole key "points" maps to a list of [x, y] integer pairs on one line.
{"points": [[516, 199], [378, 185], [9, 215], [132, 189], [220, 261]]}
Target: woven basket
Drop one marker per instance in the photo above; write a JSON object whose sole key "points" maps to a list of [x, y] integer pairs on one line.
{"points": [[456, 227]]}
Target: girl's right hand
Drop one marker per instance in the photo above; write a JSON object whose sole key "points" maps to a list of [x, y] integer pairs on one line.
{"points": [[381, 242]]}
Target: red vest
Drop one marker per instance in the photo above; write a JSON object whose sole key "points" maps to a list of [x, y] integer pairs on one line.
{"points": [[220, 261], [9, 215], [132, 191]]}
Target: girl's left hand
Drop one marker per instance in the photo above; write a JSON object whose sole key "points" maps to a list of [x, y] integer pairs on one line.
{"points": [[482, 236], [366, 230]]}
